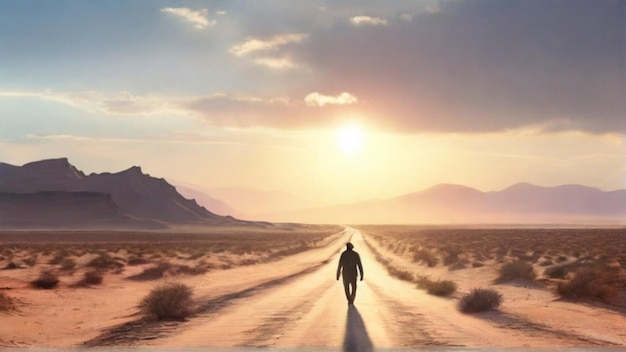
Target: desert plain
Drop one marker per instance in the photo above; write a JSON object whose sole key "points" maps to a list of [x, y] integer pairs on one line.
{"points": [[276, 287]]}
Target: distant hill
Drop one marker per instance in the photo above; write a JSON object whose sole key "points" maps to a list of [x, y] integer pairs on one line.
{"points": [[214, 205], [522, 203], [141, 200]]}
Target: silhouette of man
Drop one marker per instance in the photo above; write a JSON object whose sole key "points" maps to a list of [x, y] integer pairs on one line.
{"points": [[348, 264]]}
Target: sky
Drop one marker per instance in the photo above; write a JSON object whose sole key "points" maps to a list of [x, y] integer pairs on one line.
{"points": [[332, 101]]}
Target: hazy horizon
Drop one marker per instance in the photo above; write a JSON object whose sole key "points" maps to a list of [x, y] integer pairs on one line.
{"points": [[330, 102]]}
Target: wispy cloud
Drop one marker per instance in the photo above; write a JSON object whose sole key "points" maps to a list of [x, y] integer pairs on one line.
{"points": [[199, 18], [123, 103], [316, 99], [254, 44], [275, 62], [368, 21]]}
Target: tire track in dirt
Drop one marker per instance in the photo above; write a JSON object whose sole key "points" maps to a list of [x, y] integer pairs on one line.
{"points": [[532, 328], [147, 329], [408, 326], [278, 324]]}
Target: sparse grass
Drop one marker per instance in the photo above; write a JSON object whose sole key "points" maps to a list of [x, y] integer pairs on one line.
{"points": [[480, 300], [6, 303], [171, 301], [46, 280], [516, 270], [105, 261], [437, 288]]}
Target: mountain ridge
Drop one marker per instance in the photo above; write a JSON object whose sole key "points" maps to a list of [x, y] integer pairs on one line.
{"points": [[139, 196], [458, 204]]}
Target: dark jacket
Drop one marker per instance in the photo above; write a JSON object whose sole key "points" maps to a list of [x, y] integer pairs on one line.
{"points": [[348, 264]]}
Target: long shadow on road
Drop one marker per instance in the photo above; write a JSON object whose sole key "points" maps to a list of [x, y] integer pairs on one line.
{"points": [[356, 338]]}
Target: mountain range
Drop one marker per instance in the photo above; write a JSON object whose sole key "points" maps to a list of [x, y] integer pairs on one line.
{"points": [[521, 203], [54, 193]]}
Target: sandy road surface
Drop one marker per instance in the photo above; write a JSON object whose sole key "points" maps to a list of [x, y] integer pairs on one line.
{"points": [[311, 310]]}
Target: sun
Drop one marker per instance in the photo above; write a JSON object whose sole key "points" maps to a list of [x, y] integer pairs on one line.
{"points": [[350, 139]]}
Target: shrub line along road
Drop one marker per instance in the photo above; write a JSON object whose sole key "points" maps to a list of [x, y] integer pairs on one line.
{"points": [[296, 302]]}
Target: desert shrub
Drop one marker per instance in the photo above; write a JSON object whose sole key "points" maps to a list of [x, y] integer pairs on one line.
{"points": [[477, 264], [46, 280], [452, 255], [104, 261], [67, 264], [93, 277], [514, 270], [560, 271], [137, 260], [31, 261], [153, 273], [561, 259], [426, 257], [6, 303], [480, 300], [168, 301], [590, 283], [11, 266], [438, 288], [400, 274]]}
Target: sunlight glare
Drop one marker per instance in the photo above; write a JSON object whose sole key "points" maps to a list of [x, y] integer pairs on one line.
{"points": [[350, 139]]}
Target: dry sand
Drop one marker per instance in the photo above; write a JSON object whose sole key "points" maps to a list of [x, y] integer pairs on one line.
{"points": [[296, 302]]}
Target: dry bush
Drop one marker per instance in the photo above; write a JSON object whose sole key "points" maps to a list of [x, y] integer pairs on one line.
{"points": [[480, 300], [168, 301], [105, 261], [592, 283], [516, 270], [438, 288], [560, 271], [30, 261], [134, 260], [67, 264], [477, 264], [426, 257], [6, 303], [11, 266], [153, 273], [46, 280], [400, 274], [93, 277]]}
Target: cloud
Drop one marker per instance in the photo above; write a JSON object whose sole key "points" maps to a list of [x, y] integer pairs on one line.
{"points": [[123, 103], [316, 99], [366, 20], [483, 66], [253, 45], [275, 62], [199, 19]]}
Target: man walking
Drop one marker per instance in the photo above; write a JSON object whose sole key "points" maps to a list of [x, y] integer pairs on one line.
{"points": [[348, 264]]}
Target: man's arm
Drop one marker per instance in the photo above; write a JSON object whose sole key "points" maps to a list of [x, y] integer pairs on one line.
{"points": [[340, 265], [358, 263]]}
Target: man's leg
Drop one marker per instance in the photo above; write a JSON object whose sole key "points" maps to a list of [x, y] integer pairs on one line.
{"points": [[346, 287], [353, 294]]}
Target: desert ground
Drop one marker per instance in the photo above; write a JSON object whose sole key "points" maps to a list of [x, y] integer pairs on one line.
{"points": [[278, 288]]}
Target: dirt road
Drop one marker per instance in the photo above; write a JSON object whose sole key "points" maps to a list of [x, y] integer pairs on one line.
{"points": [[309, 309]]}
